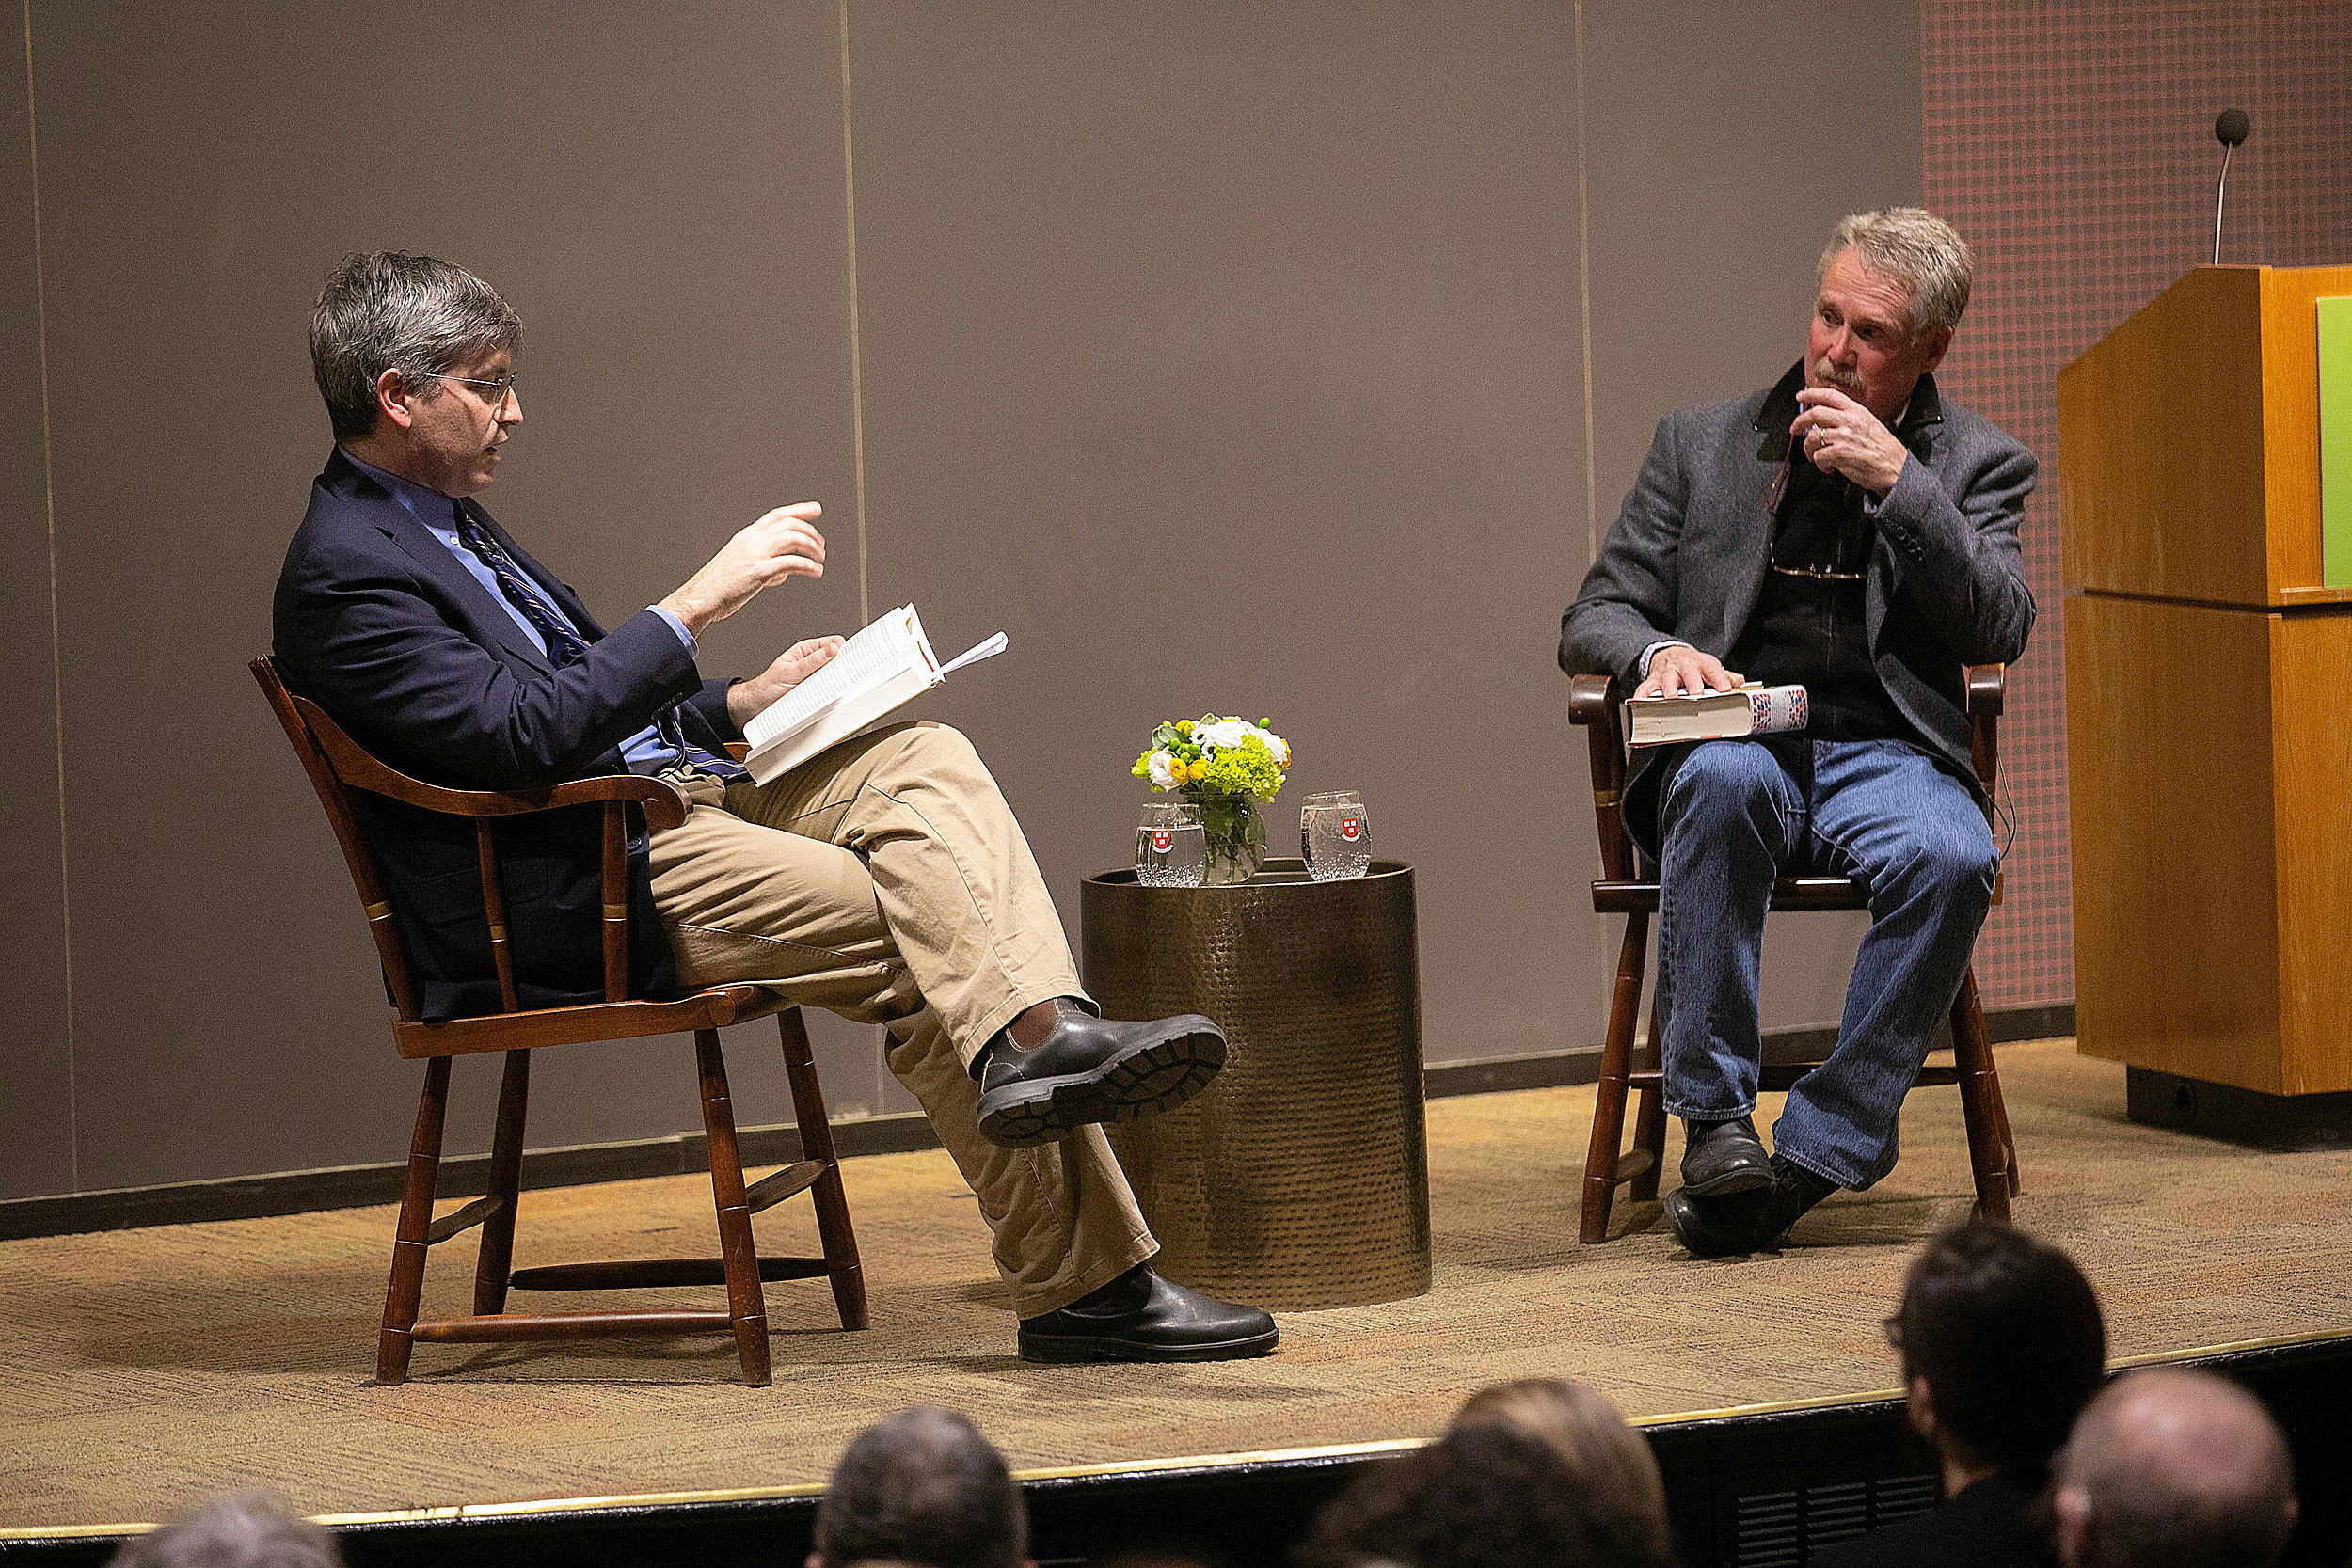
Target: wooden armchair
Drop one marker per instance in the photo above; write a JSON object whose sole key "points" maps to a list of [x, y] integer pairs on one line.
{"points": [[338, 764], [1992, 1151]]}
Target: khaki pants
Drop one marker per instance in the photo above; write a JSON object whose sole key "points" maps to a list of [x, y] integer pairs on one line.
{"points": [[885, 880]]}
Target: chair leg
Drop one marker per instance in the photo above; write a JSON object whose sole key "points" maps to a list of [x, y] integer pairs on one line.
{"points": [[1616, 1057], [497, 1257], [832, 1205], [393, 1344], [1981, 1101], [2008, 1139], [746, 1302], [1649, 1118]]}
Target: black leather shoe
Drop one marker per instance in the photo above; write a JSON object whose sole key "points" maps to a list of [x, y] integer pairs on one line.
{"points": [[1726, 1227], [1758, 1220], [1094, 1070], [1727, 1158], [1141, 1317]]}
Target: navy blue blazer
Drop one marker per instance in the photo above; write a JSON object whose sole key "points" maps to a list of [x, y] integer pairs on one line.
{"points": [[376, 620]]}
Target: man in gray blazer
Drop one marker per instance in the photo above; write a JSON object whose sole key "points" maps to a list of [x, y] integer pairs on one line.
{"points": [[1848, 530]]}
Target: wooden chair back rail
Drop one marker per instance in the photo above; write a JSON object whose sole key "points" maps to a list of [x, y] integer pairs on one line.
{"points": [[1620, 891], [494, 910], [336, 765], [357, 858], [615, 884]]}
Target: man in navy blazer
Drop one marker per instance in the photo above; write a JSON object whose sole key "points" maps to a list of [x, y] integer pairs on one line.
{"points": [[884, 878], [1851, 530]]}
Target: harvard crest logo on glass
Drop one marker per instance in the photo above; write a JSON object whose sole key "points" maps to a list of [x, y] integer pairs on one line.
{"points": [[1335, 835], [1161, 839]]}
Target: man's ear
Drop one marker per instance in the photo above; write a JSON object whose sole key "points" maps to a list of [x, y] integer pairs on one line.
{"points": [[391, 400], [1937, 351], [2071, 1506], [1920, 1405]]}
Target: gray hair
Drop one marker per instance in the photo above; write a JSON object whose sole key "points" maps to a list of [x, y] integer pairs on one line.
{"points": [[389, 310], [248, 1530], [922, 1487], [1921, 249]]}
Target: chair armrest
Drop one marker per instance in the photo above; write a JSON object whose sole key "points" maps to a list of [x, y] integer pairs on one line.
{"points": [[664, 807], [1591, 705], [1988, 686], [1588, 700]]}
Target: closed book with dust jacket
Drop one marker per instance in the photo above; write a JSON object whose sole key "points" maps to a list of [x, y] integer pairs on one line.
{"points": [[1751, 709]]}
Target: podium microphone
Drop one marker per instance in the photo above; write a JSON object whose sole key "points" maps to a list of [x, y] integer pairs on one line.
{"points": [[2229, 127]]}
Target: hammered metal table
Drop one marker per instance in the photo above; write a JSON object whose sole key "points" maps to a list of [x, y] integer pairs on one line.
{"points": [[1300, 1177]]}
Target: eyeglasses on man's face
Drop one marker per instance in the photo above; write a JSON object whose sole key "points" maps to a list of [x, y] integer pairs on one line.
{"points": [[493, 390]]}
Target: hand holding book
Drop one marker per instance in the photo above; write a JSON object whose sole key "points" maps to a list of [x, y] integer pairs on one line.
{"points": [[883, 667]]}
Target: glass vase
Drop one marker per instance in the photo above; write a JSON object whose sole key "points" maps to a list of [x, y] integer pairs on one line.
{"points": [[1236, 837]]}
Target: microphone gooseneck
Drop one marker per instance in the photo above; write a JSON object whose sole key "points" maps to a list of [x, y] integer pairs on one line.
{"points": [[2229, 128]]}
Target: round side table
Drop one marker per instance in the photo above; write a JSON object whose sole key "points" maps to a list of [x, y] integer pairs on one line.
{"points": [[1300, 1177]]}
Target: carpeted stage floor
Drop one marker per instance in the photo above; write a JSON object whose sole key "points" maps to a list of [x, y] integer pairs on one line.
{"points": [[140, 1370]]}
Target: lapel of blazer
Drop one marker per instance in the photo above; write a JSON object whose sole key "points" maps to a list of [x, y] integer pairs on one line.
{"points": [[1917, 430], [486, 619], [1755, 492]]}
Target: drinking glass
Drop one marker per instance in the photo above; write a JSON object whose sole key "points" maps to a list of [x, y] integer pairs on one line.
{"points": [[1170, 849], [1335, 835]]}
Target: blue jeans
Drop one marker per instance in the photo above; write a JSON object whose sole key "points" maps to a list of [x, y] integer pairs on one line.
{"points": [[1736, 813]]}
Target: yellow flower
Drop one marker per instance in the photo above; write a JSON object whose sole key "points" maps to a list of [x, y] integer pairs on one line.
{"points": [[1183, 726], [1199, 769]]}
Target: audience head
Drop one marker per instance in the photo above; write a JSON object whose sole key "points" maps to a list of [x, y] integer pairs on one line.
{"points": [[1609, 1464], [2002, 1345], [2173, 1468], [923, 1488], [1482, 1496], [250, 1529], [388, 310]]}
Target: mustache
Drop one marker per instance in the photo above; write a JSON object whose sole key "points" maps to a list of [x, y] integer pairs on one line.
{"points": [[1829, 375]]}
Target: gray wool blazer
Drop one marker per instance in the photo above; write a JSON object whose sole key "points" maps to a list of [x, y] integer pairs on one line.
{"points": [[1687, 555]]}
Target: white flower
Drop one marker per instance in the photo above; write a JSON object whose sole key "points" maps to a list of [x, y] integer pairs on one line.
{"points": [[1224, 735], [1163, 766], [1275, 743]]}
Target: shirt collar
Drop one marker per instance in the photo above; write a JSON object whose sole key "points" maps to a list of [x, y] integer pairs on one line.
{"points": [[429, 507]]}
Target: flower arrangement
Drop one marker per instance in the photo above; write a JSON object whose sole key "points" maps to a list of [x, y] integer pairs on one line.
{"points": [[1228, 765]]}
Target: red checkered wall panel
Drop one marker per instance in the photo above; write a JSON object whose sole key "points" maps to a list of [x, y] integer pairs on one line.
{"points": [[2073, 145]]}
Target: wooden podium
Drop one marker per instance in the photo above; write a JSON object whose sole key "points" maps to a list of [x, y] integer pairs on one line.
{"points": [[2209, 712]]}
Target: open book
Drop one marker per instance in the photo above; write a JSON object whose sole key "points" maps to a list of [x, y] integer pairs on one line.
{"points": [[887, 664], [1752, 709]]}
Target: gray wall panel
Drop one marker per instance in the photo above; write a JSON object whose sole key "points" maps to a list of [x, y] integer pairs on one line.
{"points": [[36, 1077], [661, 201], [1248, 382]]}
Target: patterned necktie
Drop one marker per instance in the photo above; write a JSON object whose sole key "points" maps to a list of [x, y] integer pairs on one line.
{"points": [[566, 647]]}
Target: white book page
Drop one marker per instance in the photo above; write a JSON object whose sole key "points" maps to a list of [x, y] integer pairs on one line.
{"points": [[988, 647], [869, 657], [857, 711]]}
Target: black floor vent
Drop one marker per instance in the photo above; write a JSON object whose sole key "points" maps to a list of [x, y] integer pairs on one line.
{"points": [[1783, 1529]]}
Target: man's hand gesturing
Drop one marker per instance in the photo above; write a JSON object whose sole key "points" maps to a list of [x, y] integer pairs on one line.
{"points": [[784, 543], [1679, 667], [1841, 436], [793, 665]]}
